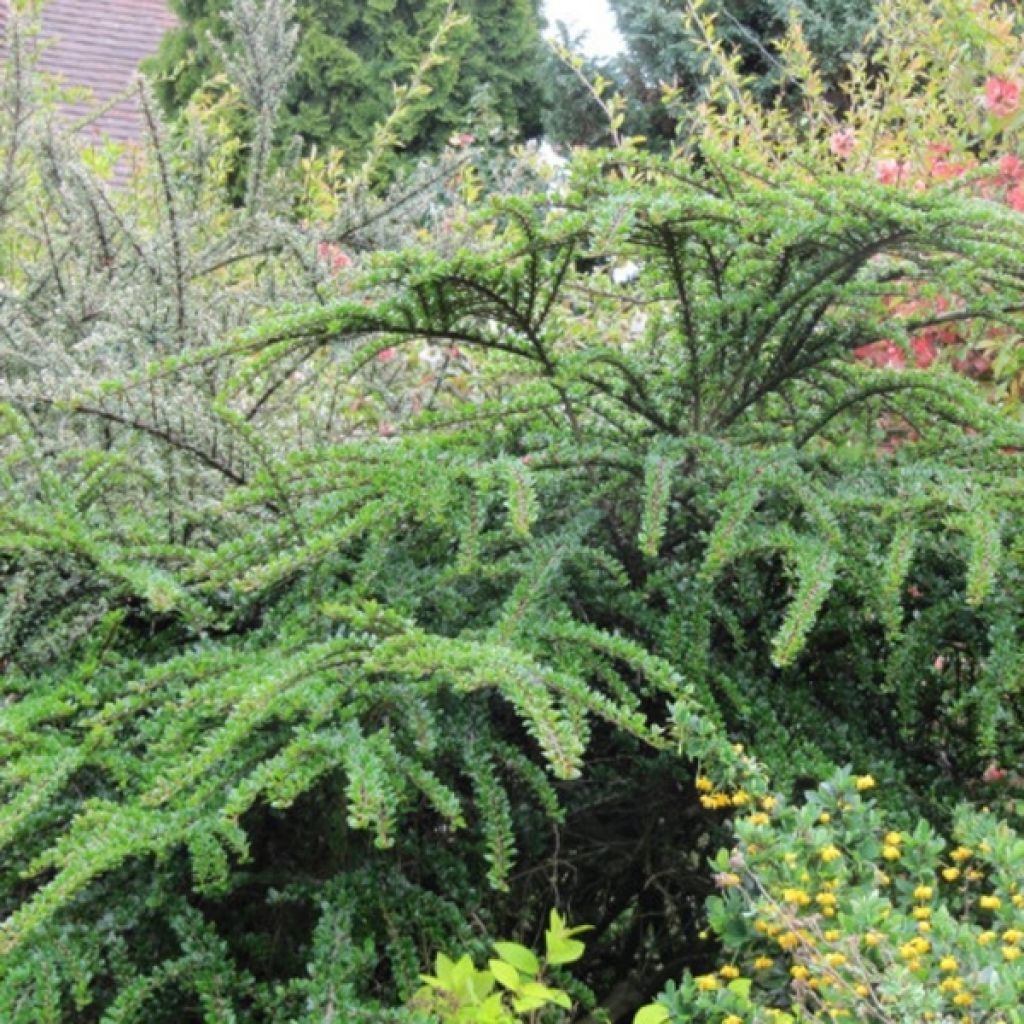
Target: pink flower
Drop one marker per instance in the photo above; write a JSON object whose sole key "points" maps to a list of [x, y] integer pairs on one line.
{"points": [[1002, 96], [843, 142], [385, 355], [1015, 198], [889, 172], [1011, 167], [334, 256], [939, 664], [993, 773], [461, 139]]}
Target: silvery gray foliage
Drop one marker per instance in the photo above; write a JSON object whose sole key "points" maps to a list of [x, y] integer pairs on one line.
{"points": [[261, 65], [101, 279]]}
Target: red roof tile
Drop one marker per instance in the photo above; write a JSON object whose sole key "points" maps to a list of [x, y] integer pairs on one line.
{"points": [[99, 44]]}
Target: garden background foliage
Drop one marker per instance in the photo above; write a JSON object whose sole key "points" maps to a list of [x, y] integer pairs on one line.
{"points": [[381, 568]]}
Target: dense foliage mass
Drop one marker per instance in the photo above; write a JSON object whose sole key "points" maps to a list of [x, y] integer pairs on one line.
{"points": [[350, 55], [379, 571]]}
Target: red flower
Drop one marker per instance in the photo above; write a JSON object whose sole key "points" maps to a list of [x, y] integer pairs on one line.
{"points": [[843, 142], [1002, 96], [884, 354], [1015, 197], [925, 350]]}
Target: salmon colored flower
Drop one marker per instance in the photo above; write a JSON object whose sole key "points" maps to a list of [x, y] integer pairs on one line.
{"points": [[1002, 96], [890, 172], [1011, 167]]}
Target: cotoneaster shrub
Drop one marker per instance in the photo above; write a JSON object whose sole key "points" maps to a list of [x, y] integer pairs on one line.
{"points": [[387, 615]]}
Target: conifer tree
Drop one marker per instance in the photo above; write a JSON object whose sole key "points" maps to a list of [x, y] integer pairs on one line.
{"points": [[662, 48], [351, 54]]}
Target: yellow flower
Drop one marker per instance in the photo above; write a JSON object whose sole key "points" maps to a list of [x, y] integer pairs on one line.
{"points": [[727, 880], [951, 984], [990, 902], [948, 963], [768, 803], [759, 818], [924, 926], [1018, 899], [893, 838], [1012, 935], [715, 801], [950, 874], [961, 853], [922, 913], [730, 972], [963, 999], [973, 875], [986, 937], [799, 971], [706, 983], [825, 899], [891, 852], [882, 878], [923, 892], [788, 941], [830, 853], [833, 935], [914, 948], [704, 784], [1010, 952], [835, 959], [797, 896], [740, 797], [863, 782], [789, 858], [872, 939], [762, 963], [863, 990], [824, 817], [732, 1019]]}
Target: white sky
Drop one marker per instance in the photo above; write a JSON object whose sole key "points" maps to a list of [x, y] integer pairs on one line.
{"points": [[590, 16]]}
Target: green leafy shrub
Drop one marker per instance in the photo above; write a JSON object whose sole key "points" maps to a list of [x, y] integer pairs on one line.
{"points": [[831, 911], [349, 613], [459, 993]]}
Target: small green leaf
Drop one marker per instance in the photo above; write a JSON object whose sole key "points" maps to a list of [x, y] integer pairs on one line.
{"points": [[741, 987], [521, 958], [655, 1013], [506, 974]]}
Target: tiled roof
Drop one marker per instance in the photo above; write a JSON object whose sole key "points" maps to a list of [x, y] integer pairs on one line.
{"points": [[99, 44]]}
